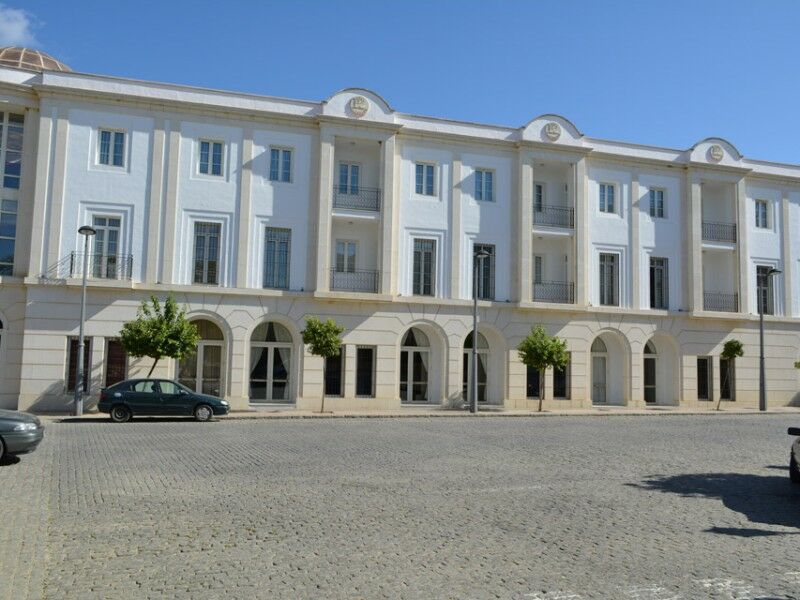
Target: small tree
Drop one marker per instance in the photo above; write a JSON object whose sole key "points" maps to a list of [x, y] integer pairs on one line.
{"points": [[160, 331], [540, 351], [730, 351], [324, 340]]}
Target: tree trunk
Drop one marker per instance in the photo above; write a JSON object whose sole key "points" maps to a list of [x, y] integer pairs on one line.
{"points": [[155, 362], [322, 404], [722, 387], [541, 387]]}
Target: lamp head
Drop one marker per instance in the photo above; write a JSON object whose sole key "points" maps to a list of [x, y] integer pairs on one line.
{"points": [[773, 271], [482, 254], [87, 230]]}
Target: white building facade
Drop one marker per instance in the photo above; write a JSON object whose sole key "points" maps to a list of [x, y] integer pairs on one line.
{"points": [[256, 212]]}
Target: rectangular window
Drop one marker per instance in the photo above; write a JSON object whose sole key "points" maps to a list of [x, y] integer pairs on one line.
{"points": [[762, 213], [365, 371], [609, 295], [280, 164], [657, 203], [704, 378], [484, 185], [106, 262], [538, 269], [607, 198], [116, 362], [727, 379], [765, 296], [334, 374], [346, 256], [485, 271], [424, 267], [561, 380], [538, 197], [659, 283], [532, 382], [111, 149], [13, 149], [277, 245], [210, 158], [349, 178], [72, 363], [8, 235], [206, 253], [424, 179]]}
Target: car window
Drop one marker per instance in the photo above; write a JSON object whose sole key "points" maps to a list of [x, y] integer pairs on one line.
{"points": [[169, 387], [145, 386]]}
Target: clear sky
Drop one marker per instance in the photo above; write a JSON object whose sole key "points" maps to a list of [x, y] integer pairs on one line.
{"points": [[664, 73]]}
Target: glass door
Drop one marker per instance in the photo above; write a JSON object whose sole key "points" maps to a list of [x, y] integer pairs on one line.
{"points": [[650, 380], [483, 359], [414, 376], [106, 247], [599, 379]]}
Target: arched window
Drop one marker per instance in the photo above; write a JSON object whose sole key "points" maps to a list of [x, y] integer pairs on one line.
{"points": [[270, 363], [482, 343], [599, 346], [415, 338], [649, 348], [414, 365], [202, 372], [482, 367]]}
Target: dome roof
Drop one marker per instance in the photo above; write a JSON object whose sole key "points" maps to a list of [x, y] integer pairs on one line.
{"points": [[32, 60]]}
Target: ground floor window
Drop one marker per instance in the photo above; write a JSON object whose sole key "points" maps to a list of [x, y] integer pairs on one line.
{"points": [[532, 382], [727, 379], [270, 363], [365, 371], [414, 366], [704, 378], [334, 374], [482, 367], [561, 380], [72, 363], [116, 362], [202, 371]]}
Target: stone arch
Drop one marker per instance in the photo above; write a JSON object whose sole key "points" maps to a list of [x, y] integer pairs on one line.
{"points": [[668, 376], [437, 359], [609, 368]]}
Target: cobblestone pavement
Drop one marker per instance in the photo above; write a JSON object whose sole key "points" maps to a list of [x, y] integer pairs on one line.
{"points": [[563, 508]]}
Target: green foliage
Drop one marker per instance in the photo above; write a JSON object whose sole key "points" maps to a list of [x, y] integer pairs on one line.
{"points": [[160, 331], [797, 365], [323, 338], [732, 349], [540, 351]]}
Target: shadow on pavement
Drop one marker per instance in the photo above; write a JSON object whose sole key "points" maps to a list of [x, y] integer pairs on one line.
{"points": [[8, 460], [136, 420], [763, 499]]}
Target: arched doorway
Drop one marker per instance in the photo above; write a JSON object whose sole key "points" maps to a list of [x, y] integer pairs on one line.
{"points": [[415, 360], [650, 371], [202, 372], [482, 367], [662, 376], [270, 363], [599, 372], [610, 369]]}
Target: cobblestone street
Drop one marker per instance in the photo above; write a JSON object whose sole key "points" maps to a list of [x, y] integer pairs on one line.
{"points": [[619, 507]]}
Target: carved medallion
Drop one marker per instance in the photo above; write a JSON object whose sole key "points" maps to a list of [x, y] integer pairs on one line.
{"points": [[358, 106], [716, 153], [552, 130]]}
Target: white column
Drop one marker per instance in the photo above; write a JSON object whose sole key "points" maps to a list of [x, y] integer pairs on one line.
{"points": [[524, 254], [349, 371], [786, 231], [582, 264], [243, 208], [390, 213], [56, 200], [325, 205], [636, 250], [153, 245], [456, 227], [694, 247], [171, 208], [741, 246], [40, 197]]}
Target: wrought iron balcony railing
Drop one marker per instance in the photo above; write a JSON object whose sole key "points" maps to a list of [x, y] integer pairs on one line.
{"points": [[554, 291], [719, 232], [100, 266], [554, 216], [721, 301], [355, 281], [357, 198]]}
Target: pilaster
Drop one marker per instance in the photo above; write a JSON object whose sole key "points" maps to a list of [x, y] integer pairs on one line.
{"points": [[524, 228], [325, 205], [25, 205], [581, 187], [349, 370], [244, 200], [636, 250], [40, 186], [170, 208], [56, 196], [456, 227], [694, 221], [786, 253], [390, 212], [742, 247], [154, 204]]}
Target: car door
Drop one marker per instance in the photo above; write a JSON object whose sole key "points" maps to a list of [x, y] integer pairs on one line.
{"points": [[144, 397], [174, 399]]}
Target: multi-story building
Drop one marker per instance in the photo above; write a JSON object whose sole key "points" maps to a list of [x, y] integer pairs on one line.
{"points": [[256, 212]]}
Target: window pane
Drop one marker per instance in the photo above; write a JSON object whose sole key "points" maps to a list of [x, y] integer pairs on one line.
{"points": [[274, 160], [419, 175], [364, 371], [429, 182], [105, 147], [204, 153], [286, 174], [119, 148], [216, 166], [478, 185]]}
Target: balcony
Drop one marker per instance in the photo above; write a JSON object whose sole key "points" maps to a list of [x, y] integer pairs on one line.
{"points": [[100, 266], [721, 301], [554, 291], [355, 281], [554, 216], [719, 232], [359, 198]]}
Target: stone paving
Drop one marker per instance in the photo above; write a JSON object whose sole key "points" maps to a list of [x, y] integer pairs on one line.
{"points": [[563, 508]]}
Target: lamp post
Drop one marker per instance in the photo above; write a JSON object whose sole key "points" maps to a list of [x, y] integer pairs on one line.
{"points": [[477, 258], [762, 379], [86, 231]]}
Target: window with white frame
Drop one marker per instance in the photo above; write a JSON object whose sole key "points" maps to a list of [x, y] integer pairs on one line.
{"points": [[424, 179], [8, 235], [346, 251], [657, 203], [280, 164], [111, 148], [659, 283], [762, 214], [11, 130], [206, 253], [484, 185], [424, 275], [539, 199], [609, 279], [607, 198], [277, 245], [210, 159], [485, 270], [349, 178]]}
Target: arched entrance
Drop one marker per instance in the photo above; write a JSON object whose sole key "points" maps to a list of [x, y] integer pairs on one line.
{"points": [[482, 366], [610, 368], [202, 372], [270, 364], [661, 371], [650, 364], [415, 361]]}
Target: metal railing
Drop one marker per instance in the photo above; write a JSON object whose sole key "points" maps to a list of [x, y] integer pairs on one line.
{"points": [[355, 281], [100, 266], [360, 198], [554, 216], [721, 301], [719, 232], [554, 291]]}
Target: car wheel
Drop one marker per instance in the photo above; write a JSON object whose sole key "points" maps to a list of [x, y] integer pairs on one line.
{"points": [[2, 449], [794, 470], [120, 413], [203, 412]]}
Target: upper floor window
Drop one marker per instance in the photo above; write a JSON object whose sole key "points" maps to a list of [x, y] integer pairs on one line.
{"points": [[206, 253], [210, 162], [764, 290], [11, 148], [346, 251], [659, 283], [349, 178], [538, 197], [484, 185], [277, 245], [280, 164], [607, 193], [762, 214], [8, 235], [424, 275], [609, 279], [485, 271], [657, 203], [105, 258], [111, 149], [424, 179]]}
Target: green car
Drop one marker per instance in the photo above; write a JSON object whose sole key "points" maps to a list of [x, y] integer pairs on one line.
{"points": [[160, 397], [19, 433]]}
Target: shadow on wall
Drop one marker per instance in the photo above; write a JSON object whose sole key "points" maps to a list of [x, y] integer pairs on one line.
{"points": [[763, 499], [55, 399], [795, 400]]}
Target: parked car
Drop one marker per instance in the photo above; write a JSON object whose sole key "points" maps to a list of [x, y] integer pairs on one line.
{"points": [[136, 397], [19, 432], [794, 456]]}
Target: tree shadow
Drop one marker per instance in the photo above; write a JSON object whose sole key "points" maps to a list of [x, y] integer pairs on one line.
{"points": [[763, 499]]}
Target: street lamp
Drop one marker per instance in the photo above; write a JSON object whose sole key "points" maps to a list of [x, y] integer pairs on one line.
{"points": [[762, 301], [86, 231], [478, 256]]}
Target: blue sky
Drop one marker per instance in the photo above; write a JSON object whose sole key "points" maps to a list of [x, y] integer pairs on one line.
{"points": [[661, 73]]}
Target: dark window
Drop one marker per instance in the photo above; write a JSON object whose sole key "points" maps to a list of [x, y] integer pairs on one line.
{"points": [[727, 379], [764, 290], [533, 383], [561, 381], [72, 363], [608, 280], [659, 284], [334, 374], [276, 258], [424, 267], [365, 371], [703, 378], [206, 252], [485, 272], [116, 362]]}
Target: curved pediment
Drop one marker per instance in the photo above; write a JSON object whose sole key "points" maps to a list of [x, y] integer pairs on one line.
{"points": [[359, 104], [553, 129], [715, 151]]}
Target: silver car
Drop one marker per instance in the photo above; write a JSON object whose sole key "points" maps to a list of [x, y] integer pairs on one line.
{"points": [[794, 456], [19, 432]]}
